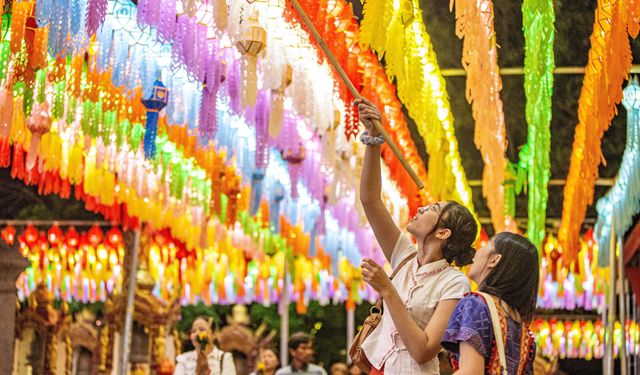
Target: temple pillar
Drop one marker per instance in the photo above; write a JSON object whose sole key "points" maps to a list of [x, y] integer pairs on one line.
{"points": [[12, 263]]}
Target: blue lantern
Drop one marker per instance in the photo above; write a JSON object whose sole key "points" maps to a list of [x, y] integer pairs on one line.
{"points": [[154, 104]]}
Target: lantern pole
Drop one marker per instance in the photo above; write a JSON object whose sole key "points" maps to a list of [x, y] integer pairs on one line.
{"points": [[351, 318], [336, 65], [125, 342], [611, 319], [623, 309], [284, 320]]}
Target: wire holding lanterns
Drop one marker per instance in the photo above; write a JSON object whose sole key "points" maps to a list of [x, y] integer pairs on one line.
{"points": [[336, 65]]}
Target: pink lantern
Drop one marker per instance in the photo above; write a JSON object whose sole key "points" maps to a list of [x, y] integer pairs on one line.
{"points": [[39, 123]]}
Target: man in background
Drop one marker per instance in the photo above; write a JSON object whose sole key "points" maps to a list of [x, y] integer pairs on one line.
{"points": [[301, 352]]}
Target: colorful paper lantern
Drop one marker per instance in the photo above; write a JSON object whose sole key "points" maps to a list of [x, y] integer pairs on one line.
{"points": [[252, 41], [154, 104]]}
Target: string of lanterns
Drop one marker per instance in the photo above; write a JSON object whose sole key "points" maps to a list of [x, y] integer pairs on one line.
{"points": [[583, 339]]}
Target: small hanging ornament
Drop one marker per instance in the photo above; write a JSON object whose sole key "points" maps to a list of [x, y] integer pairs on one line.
{"points": [[294, 158], [158, 100], [277, 102], [252, 41], [9, 234], [55, 235], [39, 123]]}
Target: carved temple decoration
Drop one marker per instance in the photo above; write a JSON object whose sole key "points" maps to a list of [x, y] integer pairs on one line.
{"points": [[153, 322], [83, 335], [242, 341], [43, 345]]}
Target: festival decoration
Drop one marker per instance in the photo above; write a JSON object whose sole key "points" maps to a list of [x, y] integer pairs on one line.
{"points": [[251, 42], [583, 285], [38, 124], [582, 339], [154, 105], [622, 202], [538, 20], [474, 25], [608, 66], [411, 61], [79, 268], [336, 24]]}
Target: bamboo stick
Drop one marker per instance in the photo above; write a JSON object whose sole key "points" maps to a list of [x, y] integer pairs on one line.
{"points": [[336, 65]]}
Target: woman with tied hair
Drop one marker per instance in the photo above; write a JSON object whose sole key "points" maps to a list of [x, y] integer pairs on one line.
{"points": [[506, 270], [206, 359], [421, 297]]}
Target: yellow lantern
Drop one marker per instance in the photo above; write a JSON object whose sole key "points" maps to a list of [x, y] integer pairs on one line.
{"points": [[252, 41]]}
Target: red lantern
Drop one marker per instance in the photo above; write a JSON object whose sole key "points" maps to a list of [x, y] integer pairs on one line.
{"points": [[114, 237], [72, 238], [30, 235], [55, 235], [9, 234], [95, 236]]}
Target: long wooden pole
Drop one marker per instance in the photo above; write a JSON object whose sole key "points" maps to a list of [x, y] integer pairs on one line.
{"points": [[623, 309], [336, 65], [131, 292], [609, 349]]}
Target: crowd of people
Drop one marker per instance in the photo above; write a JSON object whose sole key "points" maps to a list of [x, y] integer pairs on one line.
{"points": [[427, 303]]}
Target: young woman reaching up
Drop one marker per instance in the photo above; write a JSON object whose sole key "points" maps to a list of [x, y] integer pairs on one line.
{"points": [[420, 299]]}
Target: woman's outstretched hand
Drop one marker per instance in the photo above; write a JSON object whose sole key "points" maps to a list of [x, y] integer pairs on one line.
{"points": [[375, 276], [368, 113]]}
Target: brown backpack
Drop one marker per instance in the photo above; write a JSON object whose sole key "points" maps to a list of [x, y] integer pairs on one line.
{"points": [[358, 357]]}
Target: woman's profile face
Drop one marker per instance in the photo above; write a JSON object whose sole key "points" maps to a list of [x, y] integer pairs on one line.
{"points": [[269, 359], [199, 325], [425, 220], [481, 266]]}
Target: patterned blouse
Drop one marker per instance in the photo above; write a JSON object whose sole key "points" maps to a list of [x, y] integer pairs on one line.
{"points": [[471, 323]]}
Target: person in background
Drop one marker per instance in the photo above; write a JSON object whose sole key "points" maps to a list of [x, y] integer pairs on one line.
{"points": [[301, 351], [354, 370], [339, 368], [268, 362], [506, 269], [206, 359], [418, 302]]}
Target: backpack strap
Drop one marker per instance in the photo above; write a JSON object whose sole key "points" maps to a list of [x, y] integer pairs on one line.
{"points": [[222, 362], [497, 329], [404, 261]]}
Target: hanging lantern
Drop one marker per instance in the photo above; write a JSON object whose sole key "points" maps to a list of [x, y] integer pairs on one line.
{"points": [[30, 235], [72, 238], [39, 123], [294, 160], [9, 234], [154, 104], [277, 102], [55, 235], [252, 41], [114, 237], [95, 236]]}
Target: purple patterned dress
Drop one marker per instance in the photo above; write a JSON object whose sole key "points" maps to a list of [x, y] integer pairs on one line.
{"points": [[471, 323]]}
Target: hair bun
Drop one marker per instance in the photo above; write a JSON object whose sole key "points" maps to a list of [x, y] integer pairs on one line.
{"points": [[464, 257]]}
